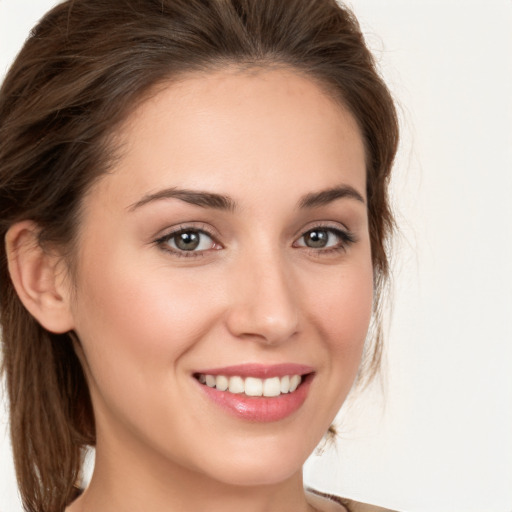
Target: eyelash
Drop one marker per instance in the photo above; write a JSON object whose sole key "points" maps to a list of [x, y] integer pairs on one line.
{"points": [[346, 239], [162, 242]]}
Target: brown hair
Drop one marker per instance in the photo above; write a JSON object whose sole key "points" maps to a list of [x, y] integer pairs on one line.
{"points": [[81, 72]]}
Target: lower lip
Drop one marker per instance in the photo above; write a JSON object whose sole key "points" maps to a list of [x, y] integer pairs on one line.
{"points": [[260, 409]]}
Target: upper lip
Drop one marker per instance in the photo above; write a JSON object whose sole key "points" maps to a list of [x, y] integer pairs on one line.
{"points": [[258, 370]]}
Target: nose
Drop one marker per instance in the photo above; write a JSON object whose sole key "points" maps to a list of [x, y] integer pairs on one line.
{"points": [[263, 302]]}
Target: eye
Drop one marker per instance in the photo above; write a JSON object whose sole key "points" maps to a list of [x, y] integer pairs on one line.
{"points": [[325, 238], [187, 241]]}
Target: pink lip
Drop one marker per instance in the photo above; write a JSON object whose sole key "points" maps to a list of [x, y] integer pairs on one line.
{"points": [[260, 409], [260, 371]]}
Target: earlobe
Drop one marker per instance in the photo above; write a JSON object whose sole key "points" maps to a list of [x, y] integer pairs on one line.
{"points": [[38, 278]]}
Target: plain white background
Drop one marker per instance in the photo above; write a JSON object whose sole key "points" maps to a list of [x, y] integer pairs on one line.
{"points": [[439, 437]]}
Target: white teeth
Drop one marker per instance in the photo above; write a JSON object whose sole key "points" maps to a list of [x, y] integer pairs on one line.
{"points": [[272, 387], [221, 383], [294, 382], [236, 385], [285, 384], [252, 386]]}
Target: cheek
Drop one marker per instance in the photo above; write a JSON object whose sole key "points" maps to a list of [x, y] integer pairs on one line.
{"points": [[343, 311], [143, 318]]}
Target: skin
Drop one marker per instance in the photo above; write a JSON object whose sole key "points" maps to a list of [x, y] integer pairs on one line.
{"points": [[148, 316]]}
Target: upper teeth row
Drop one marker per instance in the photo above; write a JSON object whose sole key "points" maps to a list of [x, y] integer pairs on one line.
{"points": [[252, 386]]}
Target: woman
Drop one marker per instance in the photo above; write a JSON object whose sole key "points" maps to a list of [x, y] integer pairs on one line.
{"points": [[194, 207]]}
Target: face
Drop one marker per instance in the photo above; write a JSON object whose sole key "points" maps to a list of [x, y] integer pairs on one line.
{"points": [[228, 247]]}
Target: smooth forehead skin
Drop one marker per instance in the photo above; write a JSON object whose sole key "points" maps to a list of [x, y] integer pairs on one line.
{"points": [[212, 120]]}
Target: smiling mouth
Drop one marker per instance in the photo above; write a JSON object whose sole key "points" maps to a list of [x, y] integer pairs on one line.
{"points": [[257, 392], [252, 386]]}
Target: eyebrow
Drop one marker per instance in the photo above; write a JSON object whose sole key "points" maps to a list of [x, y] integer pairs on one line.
{"points": [[324, 197], [225, 203], [195, 197]]}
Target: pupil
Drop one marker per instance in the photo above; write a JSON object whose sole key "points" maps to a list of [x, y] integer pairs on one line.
{"points": [[187, 241], [317, 239]]}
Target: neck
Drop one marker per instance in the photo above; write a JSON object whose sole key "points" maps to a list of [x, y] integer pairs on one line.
{"points": [[129, 480]]}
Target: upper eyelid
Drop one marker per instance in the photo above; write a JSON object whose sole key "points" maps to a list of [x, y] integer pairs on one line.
{"points": [[172, 232], [336, 230], [333, 225], [176, 230]]}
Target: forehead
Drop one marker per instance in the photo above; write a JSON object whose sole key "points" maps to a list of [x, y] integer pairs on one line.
{"points": [[231, 129]]}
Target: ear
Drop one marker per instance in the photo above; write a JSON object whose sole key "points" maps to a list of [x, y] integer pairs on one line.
{"points": [[39, 278]]}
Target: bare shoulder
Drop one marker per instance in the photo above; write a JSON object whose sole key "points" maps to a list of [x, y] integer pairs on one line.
{"points": [[324, 502]]}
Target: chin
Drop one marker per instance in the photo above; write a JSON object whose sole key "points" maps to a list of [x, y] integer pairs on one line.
{"points": [[256, 462]]}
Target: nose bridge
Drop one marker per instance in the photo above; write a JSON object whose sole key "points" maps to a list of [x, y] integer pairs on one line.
{"points": [[263, 303]]}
